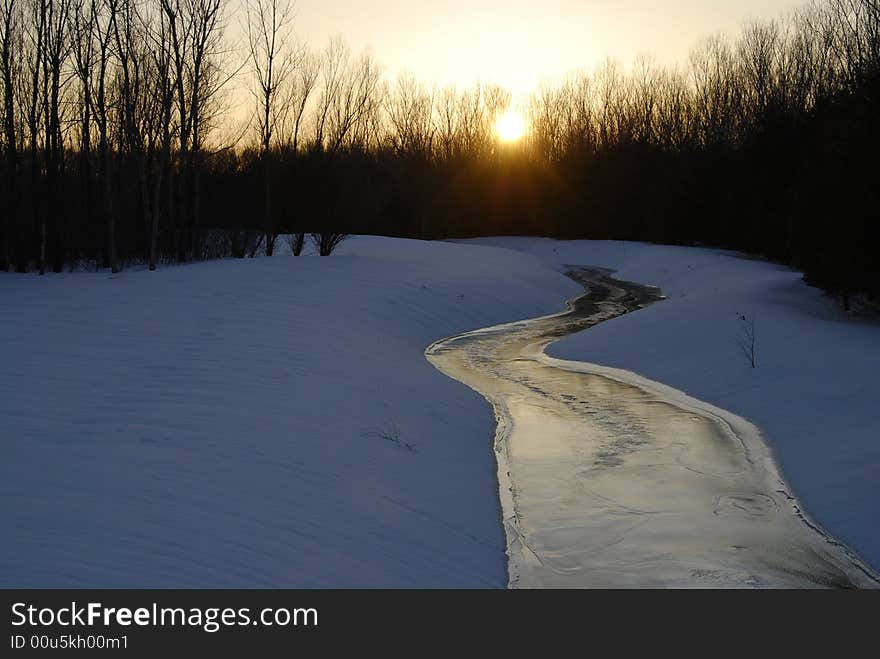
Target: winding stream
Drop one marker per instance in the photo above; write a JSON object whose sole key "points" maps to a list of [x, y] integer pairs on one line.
{"points": [[610, 480]]}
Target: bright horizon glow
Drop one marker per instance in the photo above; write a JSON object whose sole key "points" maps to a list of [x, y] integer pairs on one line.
{"points": [[520, 44], [510, 126], [511, 43]]}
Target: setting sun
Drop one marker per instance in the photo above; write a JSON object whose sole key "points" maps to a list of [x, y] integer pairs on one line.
{"points": [[510, 126]]}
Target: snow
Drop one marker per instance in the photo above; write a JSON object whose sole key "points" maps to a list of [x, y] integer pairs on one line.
{"points": [[234, 423], [221, 424], [814, 393]]}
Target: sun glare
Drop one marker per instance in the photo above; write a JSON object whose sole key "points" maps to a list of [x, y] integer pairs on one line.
{"points": [[510, 126]]}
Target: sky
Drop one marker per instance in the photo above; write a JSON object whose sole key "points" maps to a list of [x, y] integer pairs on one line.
{"points": [[519, 44]]}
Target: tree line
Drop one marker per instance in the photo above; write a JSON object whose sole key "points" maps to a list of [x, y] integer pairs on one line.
{"points": [[119, 144]]}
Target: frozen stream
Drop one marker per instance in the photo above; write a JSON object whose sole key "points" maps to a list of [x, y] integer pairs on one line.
{"points": [[610, 480]]}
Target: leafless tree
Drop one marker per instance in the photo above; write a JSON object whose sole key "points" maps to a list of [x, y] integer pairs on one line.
{"points": [[349, 98], [717, 91], [296, 241], [103, 30], [206, 80], [326, 242], [137, 99], [31, 92], [161, 128], [747, 338], [297, 97], [758, 54], [55, 53], [273, 58], [9, 36], [195, 31], [446, 123], [614, 118], [473, 123], [410, 109], [546, 116], [81, 29], [333, 62], [644, 99], [180, 27]]}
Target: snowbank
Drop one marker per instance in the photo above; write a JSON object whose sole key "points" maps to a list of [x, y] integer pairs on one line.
{"points": [[814, 394], [273, 422], [267, 422]]}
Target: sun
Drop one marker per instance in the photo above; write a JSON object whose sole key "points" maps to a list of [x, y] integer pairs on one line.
{"points": [[510, 126]]}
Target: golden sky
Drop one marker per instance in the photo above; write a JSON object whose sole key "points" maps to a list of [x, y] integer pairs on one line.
{"points": [[517, 43]]}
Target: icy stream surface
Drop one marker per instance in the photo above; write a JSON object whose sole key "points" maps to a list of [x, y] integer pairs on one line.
{"points": [[610, 480]]}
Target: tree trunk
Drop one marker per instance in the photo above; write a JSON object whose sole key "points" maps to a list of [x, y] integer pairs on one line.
{"points": [[107, 195], [270, 224], [9, 217], [197, 206], [298, 242]]}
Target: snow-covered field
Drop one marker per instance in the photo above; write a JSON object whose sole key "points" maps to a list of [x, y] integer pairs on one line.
{"points": [[815, 393], [222, 424], [273, 422]]}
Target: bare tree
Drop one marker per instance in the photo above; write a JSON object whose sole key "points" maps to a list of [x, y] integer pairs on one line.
{"points": [[547, 115], [81, 29], [296, 101], [296, 242], [180, 34], [747, 338], [207, 80], [332, 66], [273, 59], [348, 100], [195, 32], [474, 122], [32, 99], [298, 94], [55, 53], [410, 109], [758, 54], [8, 36], [614, 125], [446, 123], [160, 122], [102, 27], [717, 91], [643, 97], [326, 242]]}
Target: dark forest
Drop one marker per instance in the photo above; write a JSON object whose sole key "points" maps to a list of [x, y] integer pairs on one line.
{"points": [[118, 147]]}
